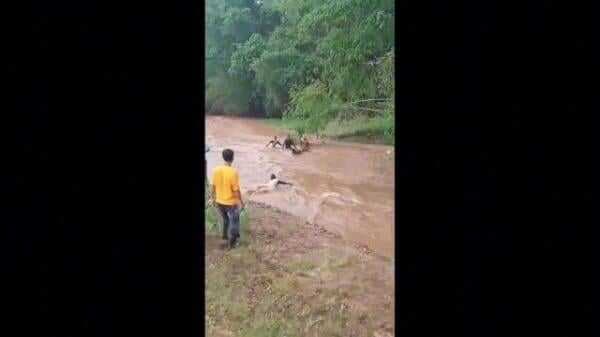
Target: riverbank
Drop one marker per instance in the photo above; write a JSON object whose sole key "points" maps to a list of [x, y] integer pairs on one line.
{"points": [[361, 130], [289, 278]]}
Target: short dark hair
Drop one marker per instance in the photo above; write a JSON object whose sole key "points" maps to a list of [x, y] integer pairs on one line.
{"points": [[228, 155], [273, 176]]}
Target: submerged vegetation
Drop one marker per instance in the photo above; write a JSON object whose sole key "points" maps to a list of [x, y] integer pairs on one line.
{"points": [[322, 66]]}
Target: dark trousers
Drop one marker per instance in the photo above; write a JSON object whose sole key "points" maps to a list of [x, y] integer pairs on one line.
{"points": [[231, 221]]}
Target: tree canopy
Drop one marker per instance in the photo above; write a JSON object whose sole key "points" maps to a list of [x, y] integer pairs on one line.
{"points": [[308, 60]]}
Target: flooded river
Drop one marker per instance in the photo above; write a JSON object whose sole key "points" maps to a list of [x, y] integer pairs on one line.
{"points": [[346, 188]]}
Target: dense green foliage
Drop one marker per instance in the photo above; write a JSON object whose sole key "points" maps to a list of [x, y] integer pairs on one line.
{"points": [[319, 62]]}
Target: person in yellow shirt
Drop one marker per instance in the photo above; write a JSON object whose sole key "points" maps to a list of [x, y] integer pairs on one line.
{"points": [[227, 197]]}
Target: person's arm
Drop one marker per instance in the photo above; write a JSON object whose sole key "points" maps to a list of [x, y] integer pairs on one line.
{"points": [[239, 195], [281, 182], [269, 143], [236, 189]]}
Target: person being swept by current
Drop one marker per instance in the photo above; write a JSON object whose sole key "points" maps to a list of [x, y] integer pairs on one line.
{"points": [[274, 142], [270, 186], [304, 144], [288, 144], [228, 198]]}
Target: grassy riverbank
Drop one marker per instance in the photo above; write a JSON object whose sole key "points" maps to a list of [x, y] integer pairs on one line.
{"points": [[289, 278], [361, 130]]}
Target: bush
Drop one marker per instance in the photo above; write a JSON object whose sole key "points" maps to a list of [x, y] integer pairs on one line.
{"points": [[313, 106], [305, 60]]}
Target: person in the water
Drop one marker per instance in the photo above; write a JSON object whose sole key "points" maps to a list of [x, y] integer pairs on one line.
{"points": [[288, 144], [304, 144], [270, 186], [274, 142]]}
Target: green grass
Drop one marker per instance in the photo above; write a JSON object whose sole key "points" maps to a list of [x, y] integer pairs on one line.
{"points": [[378, 130], [211, 221], [246, 296]]}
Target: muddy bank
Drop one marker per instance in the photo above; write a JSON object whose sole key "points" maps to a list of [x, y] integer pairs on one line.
{"points": [[346, 188], [294, 278]]}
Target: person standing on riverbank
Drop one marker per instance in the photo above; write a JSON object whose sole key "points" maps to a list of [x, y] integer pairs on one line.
{"points": [[228, 198]]}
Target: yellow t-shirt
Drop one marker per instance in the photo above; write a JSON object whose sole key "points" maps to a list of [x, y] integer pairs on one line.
{"points": [[226, 182]]}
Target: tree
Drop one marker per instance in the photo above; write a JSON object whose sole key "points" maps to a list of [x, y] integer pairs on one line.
{"points": [[305, 59]]}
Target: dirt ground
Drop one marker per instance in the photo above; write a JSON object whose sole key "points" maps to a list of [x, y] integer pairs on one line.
{"points": [[290, 278]]}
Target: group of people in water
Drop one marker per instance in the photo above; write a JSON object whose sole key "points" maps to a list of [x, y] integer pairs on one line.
{"points": [[290, 144]]}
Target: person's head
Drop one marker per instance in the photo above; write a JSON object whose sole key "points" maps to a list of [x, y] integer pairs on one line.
{"points": [[273, 176], [275, 137], [228, 156]]}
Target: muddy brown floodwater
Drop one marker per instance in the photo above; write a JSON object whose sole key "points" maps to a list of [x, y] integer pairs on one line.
{"points": [[345, 187]]}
